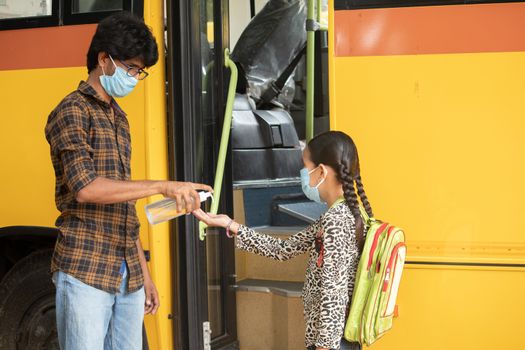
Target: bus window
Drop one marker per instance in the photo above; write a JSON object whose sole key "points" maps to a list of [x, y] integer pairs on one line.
{"points": [[92, 11], [17, 14], [84, 6], [24, 8]]}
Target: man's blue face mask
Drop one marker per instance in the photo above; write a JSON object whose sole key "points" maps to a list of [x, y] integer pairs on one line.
{"points": [[312, 193], [119, 84]]}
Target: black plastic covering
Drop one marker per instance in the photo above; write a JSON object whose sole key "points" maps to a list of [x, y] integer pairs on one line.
{"points": [[264, 142], [267, 46]]}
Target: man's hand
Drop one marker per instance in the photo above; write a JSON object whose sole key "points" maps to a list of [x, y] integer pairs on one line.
{"points": [[185, 194], [152, 302]]}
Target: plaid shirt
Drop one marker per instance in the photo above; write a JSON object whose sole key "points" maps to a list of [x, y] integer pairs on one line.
{"points": [[90, 138]]}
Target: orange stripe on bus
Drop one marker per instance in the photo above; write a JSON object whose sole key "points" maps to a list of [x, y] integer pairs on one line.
{"points": [[52, 47], [430, 30]]}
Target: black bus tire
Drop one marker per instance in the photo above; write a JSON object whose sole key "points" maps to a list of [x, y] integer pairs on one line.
{"points": [[27, 305]]}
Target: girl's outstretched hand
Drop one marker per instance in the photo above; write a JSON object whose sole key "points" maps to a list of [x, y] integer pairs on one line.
{"points": [[212, 219]]}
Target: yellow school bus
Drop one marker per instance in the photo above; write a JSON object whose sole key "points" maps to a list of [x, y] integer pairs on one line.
{"points": [[431, 91]]}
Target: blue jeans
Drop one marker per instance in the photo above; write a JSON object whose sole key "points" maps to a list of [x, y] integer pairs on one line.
{"points": [[91, 319]]}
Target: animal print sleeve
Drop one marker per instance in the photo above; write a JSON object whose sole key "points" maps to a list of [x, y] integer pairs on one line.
{"points": [[276, 248], [339, 250]]}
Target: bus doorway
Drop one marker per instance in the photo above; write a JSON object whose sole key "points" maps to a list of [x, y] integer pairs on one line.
{"points": [[219, 291], [203, 271]]}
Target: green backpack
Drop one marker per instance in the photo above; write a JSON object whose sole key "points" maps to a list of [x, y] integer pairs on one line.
{"points": [[377, 282]]}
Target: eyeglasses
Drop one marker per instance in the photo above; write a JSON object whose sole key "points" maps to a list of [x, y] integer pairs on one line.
{"points": [[139, 73]]}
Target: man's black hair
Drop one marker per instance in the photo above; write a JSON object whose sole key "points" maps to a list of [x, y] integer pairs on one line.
{"points": [[123, 36]]}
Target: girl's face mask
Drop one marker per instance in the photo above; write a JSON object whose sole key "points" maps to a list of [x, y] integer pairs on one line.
{"points": [[310, 192], [119, 84]]}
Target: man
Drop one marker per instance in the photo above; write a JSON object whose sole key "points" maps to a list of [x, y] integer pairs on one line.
{"points": [[103, 284]]}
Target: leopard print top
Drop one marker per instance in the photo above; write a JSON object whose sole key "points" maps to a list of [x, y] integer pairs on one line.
{"points": [[330, 273]]}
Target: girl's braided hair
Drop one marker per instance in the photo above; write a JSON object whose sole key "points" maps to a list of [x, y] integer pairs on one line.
{"points": [[338, 151]]}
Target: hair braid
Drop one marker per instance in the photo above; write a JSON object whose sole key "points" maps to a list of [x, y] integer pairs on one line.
{"points": [[359, 185], [352, 202], [362, 196]]}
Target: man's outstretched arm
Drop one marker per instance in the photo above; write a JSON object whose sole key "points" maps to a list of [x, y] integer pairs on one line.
{"points": [[107, 191]]}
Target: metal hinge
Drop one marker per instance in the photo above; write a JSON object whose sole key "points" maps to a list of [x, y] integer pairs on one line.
{"points": [[206, 335]]}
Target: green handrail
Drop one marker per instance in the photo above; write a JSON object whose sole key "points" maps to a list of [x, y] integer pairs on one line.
{"points": [[225, 137], [310, 66], [313, 19]]}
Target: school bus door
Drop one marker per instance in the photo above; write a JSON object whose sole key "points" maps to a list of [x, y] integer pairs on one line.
{"points": [[203, 271]]}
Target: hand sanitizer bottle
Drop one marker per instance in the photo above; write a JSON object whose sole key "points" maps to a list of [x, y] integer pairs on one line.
{"points": [[166, 209]]}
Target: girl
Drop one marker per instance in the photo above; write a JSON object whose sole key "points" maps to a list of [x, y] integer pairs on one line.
{"points": [[331, 174]]}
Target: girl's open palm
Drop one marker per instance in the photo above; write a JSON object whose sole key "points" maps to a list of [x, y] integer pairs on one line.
{"points": [[212, 219]]}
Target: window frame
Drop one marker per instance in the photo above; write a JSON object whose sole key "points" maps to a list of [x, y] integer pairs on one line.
{"points": [[61, 15]]}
